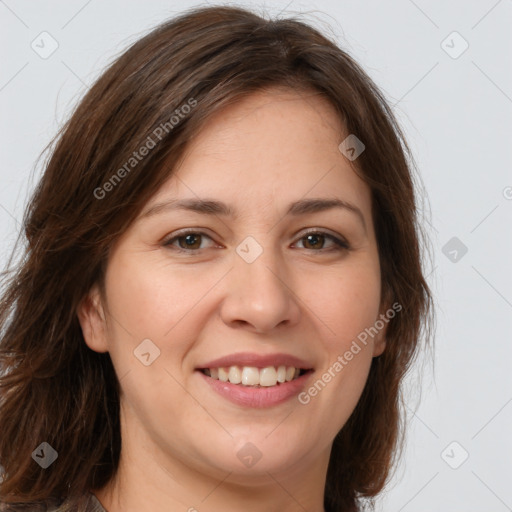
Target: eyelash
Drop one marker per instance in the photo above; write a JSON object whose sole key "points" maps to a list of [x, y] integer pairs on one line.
{"points": [[341, 244]]}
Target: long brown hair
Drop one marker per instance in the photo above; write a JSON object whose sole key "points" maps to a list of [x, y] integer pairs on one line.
{"points": [[55, 389]]}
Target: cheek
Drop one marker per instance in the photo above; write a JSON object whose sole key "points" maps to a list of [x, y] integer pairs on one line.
{"points": [[153, 300], [168, 305], [347, 301], [158, 303], [348, 306]]}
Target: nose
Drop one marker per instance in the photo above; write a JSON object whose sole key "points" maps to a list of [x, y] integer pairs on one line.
{"points": [[259, 296]]}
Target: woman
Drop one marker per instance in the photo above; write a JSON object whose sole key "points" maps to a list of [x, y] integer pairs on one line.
{"points": [[222, 287]]}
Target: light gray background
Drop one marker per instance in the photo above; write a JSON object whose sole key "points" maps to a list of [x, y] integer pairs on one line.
{"points": [[456, 113]]}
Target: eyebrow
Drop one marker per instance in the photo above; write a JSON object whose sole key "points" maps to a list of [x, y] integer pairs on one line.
{"points": [[213, 207]]}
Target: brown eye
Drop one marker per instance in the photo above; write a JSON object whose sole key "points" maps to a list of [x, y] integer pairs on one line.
{"points": [[315, 241], [189, 241]]}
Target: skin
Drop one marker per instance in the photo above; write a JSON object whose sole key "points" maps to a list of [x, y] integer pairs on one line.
{"points": [[300, 296]]}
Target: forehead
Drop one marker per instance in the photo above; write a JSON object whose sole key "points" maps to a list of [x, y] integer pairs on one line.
{"points": [[269, 123], [272, 147]]}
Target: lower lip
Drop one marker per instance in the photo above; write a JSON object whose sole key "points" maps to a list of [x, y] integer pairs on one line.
{"points": [[257, 397]]}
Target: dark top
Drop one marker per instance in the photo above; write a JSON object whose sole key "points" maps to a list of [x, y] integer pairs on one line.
{"points": [[91, 504], [94, 505]]}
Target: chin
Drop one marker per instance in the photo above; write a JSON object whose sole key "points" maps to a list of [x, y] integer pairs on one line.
{"points": [[254, 456]]}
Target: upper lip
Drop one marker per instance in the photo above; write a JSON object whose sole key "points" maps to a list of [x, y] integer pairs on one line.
{"points": [[257, 360]]}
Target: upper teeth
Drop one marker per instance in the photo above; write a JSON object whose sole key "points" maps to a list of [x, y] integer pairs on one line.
{"points": [[252, 376]]}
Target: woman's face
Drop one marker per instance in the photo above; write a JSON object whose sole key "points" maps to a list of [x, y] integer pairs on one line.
{"points": [[257, 284]]}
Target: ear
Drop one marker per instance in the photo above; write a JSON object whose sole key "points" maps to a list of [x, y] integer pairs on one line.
{"points": [[91, 316], [379, 341]]}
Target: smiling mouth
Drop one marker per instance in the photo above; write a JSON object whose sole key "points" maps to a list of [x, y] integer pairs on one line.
{"points": [[251, 376]]}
